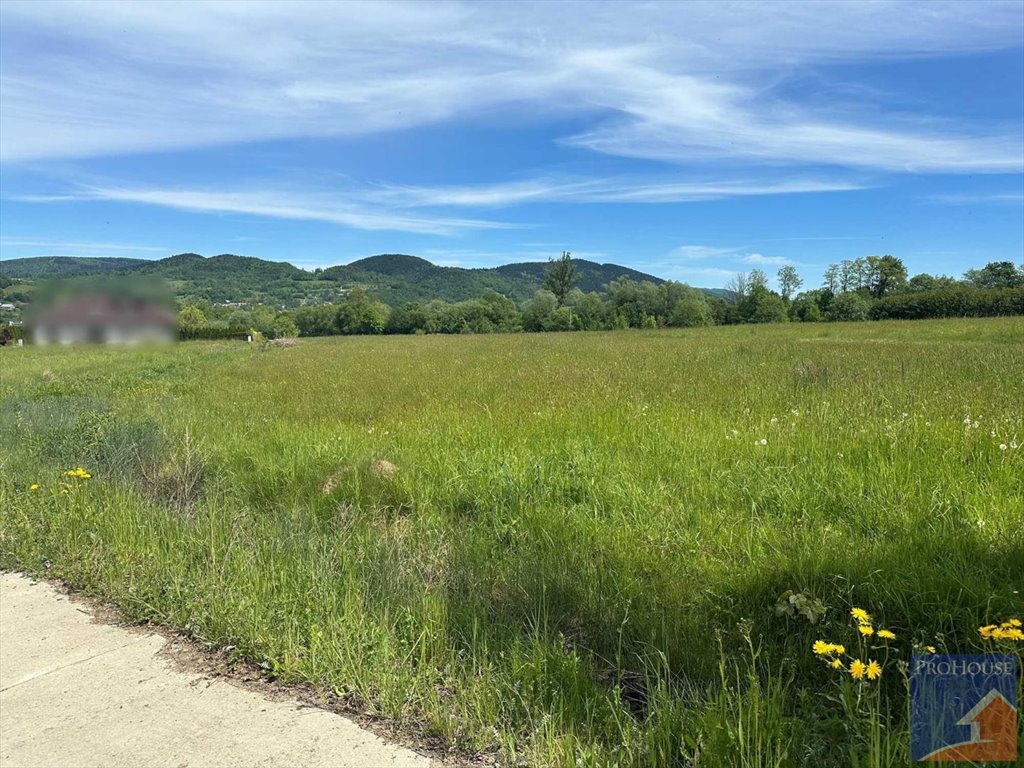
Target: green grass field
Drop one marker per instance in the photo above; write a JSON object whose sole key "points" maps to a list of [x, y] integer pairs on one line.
{"points": [[576, 555]]}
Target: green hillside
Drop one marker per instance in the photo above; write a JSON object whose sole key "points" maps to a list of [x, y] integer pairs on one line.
{"points": [[394, 278], [592, 276], [48, 267]]}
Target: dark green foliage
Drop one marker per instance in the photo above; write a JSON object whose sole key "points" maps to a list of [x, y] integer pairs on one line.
{"points": [[40, 267], [789, 281], [885, 275], [362, 314], [848, 306], [996, 274], [560, 276], [963, 301], [395, 279], [543, 313], [762, 306], [926, 282], [807, 307], [316, 320], [590, 276], [198, 321]]}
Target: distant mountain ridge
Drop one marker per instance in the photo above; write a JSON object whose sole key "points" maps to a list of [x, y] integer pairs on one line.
{"points": [[395, 278]]}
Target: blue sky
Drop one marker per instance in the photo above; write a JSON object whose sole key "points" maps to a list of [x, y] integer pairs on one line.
{"points": [[691, 140]]}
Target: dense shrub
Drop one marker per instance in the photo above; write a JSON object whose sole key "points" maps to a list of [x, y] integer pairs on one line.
{"points": [[962, 301], [848, 307]]}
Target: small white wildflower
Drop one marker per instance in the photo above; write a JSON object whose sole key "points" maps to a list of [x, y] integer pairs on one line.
{"points": [[1014, 445], [981, 523], [763, 441], [795, 412], [839, 455], [775, 420], [1002, 446]]}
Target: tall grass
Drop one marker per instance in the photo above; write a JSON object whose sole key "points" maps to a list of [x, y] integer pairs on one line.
{"points": [[576, 555]]}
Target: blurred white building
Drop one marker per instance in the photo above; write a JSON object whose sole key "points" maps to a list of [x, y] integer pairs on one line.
{"points": [[104, 319]]}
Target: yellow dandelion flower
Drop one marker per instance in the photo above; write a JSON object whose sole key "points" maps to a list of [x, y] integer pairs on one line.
{"points": [[840, 649], [1007, 634], [34, 487], [857, 669], [1012, 623], [874, 670], [836, 664], [987, 630], [820, 647], [885, 634], [866, 629], [862, 616], [930, 648]]}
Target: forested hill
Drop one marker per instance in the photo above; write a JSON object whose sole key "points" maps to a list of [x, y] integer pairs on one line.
{"points": [[395, 278]]}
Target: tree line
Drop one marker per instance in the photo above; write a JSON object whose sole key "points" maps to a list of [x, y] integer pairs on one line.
{"points": [[875, 287]]}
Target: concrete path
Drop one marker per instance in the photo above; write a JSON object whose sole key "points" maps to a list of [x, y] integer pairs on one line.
{"points": [[76, 692]]}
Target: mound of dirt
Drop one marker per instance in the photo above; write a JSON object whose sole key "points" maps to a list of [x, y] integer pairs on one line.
{"points": [[383, 468]]}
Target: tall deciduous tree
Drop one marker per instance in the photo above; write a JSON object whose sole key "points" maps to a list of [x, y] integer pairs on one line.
{"points": [[191, 319], [560, 276], [832, 278], [789, 281], [738, 286], [996, 274], [757, 279], [884, 274]]}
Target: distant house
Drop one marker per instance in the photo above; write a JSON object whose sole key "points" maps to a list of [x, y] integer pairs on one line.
{"points": [[6, 307], [104, 319]]}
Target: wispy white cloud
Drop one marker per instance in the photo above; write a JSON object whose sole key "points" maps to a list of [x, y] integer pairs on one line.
{"points": [[386, 207], [647, 77], [1001, 198], [685, 263], [704, 277], [699, 252], [14, 242], [281, 204], [607, 190], [760, 260]]}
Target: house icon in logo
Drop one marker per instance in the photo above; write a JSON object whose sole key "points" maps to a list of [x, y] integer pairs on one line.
{"points": [[993, 723]]}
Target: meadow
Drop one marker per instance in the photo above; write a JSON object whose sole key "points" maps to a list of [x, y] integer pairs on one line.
{"points": [[556, 549]]}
